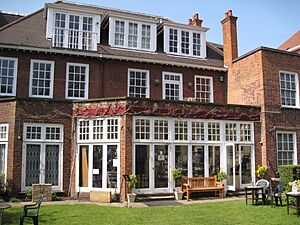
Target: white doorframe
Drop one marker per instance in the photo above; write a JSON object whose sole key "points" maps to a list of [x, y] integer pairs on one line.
{"points": [[231, 187]]}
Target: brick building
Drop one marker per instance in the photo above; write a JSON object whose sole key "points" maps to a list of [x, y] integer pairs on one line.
{"points": [[269, 78], [88, 94]]}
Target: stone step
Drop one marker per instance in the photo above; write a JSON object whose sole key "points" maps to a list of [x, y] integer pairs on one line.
{"points": [[155, 197]]}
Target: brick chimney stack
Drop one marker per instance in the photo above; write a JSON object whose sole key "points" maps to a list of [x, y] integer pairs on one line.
{"points": [[230, 44], [195, 21]]}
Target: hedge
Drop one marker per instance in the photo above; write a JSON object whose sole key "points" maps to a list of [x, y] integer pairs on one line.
{"points": [[288, 173]]}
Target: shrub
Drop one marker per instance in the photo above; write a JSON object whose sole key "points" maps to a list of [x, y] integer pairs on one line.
{"points": [[132, 182], [176, 172], [221, 175], [288, 173], [15, 199], [261, 171]]}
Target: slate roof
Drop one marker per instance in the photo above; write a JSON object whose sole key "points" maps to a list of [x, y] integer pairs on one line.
{"points": [[6, 18], [30, 31]]}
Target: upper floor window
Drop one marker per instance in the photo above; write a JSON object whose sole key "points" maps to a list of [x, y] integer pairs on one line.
{"points": [[73, 30], [132, 34], [289, 89], [204, 89], [138, 83], [8, 76], [172, 86], [286, 148], [184, 42], [41, 79], [77, 81]]}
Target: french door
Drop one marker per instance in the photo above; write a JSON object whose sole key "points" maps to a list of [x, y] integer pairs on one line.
{"points": [[98, 166], [240, 166], [152, 168]]}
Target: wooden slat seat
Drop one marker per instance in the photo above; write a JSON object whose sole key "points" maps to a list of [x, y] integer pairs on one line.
{"points": [[201, 184]]}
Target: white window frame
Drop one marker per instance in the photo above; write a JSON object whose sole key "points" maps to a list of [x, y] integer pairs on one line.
{"points": [[179, 40], [50, 27], [211, 99], [104, 142], [294, 143], [43, 142], [171, 131], [296, 87], [147, 80], [4, 141], [15, 76], [172, 82], [86, 93], [32, 61], [126, 21]]}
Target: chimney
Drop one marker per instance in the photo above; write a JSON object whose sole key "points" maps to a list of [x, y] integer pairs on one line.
{"points": [[230, 45], [195, 21]]}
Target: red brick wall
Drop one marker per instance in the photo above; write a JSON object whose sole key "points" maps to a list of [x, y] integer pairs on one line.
{"points": [[108, 78], [254, 80], [7, 115], [115, 79], [39, 111]]}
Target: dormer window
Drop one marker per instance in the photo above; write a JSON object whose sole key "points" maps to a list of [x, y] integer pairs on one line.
{"points": [[181, 41], [132, 34], [73, 30]]}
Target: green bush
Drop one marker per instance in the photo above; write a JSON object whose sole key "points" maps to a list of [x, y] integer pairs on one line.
{"points": [[288, 173]]}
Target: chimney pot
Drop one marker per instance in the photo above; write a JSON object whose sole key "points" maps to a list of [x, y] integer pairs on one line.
{"points": [[229, 12], [195, 21]]}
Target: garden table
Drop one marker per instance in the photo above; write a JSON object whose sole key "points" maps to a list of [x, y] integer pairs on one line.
{"points": [[2, 207], [297, 206], [254, 190]]}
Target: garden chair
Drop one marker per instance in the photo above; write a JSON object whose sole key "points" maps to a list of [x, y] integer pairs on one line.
{"points": [[276, 193], [262, 193], [32, 211]]}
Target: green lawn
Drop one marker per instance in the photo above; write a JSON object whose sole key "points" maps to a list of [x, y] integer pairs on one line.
{"points": [[233, 212]]}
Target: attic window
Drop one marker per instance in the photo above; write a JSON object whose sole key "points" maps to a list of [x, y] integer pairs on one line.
{"points": [[184, 42], [132, 34], [72, 30]]}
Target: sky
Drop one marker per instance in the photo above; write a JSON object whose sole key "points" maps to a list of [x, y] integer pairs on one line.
{"points": [[260, 22]]}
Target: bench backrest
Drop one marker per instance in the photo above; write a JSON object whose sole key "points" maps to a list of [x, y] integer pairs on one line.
{"points": [[200, 181]]}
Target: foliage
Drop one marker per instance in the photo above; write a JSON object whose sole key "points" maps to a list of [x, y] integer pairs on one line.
{"points": [[261, 171], [288, 174], [176, 172], [15, 199], [212, 213], [28, 194], [221, 175], [295, 183], [54, 197], [132, 181]]}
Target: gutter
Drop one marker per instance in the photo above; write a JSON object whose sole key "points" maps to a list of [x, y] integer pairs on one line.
{"points": [[108, 56]]}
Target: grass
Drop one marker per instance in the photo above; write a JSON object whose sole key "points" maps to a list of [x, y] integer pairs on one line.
{"points": [[233, 212]]}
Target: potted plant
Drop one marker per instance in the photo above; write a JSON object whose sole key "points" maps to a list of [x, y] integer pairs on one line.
{"points": [[261, 172], [176, 173], [221, 177], [131, 183]]}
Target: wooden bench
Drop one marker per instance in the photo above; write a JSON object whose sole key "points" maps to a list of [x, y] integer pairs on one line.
{"points": [[202, 184]]}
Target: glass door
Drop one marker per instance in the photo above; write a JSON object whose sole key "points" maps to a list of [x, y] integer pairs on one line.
{"points": [[161, 166], [142, 165], [181, 161], [246, 157], [97, 166], [231, 170]]}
